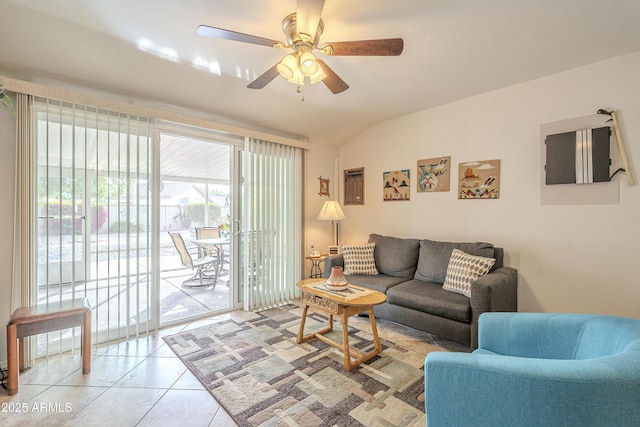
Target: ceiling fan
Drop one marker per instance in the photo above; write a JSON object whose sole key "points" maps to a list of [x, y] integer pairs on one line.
{"points": [[303, 29]]}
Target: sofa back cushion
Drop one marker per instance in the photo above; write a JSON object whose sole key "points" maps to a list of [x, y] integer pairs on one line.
{"points": [[609, 335], [560, 336], [395, 256], [434, 256]]}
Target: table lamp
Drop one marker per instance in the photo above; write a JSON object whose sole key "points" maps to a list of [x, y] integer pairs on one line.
{"points": [[331, 211]]}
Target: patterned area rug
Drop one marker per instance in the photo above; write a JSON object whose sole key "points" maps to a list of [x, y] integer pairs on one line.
{"points": [[257, 372]]}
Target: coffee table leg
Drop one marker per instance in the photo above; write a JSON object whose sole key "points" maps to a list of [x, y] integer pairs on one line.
{"points": [[345, 342], [374, 331], [302, 320]]}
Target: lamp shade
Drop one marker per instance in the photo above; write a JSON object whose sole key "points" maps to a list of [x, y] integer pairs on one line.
{"points": [[308, 64], [297, 77], [318, 76], [331, 211], [288, 66]]}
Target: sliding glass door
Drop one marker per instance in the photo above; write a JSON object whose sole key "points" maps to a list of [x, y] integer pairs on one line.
{"points": [[197, 202]]}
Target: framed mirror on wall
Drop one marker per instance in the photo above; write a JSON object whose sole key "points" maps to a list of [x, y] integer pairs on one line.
{"points": [[354, 186]]}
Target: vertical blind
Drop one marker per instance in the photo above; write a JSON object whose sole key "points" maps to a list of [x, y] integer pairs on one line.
{"points": [[23, 267], [94, 215], [85, 218], [271, 222]]}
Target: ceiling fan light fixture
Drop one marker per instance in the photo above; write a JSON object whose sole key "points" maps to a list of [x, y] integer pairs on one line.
{"points": [[297, 78], [318, 76], [288, 66], [308, 64]]}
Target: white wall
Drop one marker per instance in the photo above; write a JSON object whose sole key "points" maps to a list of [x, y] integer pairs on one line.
{"points": [[319, 162], [573, 258]]}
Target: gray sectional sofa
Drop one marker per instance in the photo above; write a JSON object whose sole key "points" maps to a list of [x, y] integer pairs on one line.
{"points": [[411, 274]]}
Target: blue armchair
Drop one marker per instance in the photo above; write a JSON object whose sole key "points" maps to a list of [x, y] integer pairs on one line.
{"points": [[539, 369]]}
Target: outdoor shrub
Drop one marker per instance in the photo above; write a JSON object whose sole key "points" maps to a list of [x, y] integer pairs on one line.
{"points": [[121, 227], [195, 211], [63, 219]]}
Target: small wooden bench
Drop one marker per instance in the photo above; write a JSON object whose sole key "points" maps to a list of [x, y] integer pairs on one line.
{"points": [[38, 319]]}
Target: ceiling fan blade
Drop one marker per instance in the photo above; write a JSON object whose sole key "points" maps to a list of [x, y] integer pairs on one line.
{"points": [[381, 47], [219, 33], [308, 15], [332, 81], [265, 78]]}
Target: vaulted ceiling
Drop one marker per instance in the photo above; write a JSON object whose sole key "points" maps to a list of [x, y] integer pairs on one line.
{"points": [[453, 49]]}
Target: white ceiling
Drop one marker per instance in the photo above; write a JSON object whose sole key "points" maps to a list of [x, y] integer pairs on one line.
{"points": [[453, 49]]}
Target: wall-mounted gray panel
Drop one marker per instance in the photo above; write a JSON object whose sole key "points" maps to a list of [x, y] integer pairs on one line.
{"points": [[561, 158], [598, 193], [601, 154], [571, 160]]}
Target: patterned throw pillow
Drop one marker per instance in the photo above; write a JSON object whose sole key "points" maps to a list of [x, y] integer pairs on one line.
{"points": [[464, 269], [359, 259]]}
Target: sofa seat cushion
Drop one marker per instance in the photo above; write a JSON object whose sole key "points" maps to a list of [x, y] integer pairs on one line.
{"points": [[380, 282], [434, 257], [431, 298], [396, 256]]}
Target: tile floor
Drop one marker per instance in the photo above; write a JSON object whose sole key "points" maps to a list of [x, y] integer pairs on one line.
{"points": [[178, 303], [141, 382]]}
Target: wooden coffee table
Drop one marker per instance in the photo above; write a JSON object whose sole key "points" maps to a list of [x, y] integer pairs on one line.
{"points": [[344, 304]]}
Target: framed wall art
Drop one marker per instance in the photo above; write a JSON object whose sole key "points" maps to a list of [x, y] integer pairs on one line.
{"points": [[396, 185], [324, 186], [479, 180], [434, 174]]}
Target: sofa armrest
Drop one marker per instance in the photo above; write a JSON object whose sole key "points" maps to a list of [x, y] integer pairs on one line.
{"points": [[332, 261], [496, 291]]}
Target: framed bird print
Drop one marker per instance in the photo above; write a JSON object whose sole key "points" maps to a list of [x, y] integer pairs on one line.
{"points": [[479, 180], [434, 175]]}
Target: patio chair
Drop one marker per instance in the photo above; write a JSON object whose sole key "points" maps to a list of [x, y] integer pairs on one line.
{"points": [[199, 265], [206, 233], [217, 251]]}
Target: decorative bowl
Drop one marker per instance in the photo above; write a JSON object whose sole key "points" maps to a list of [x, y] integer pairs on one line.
{"points": [[337, 287]]}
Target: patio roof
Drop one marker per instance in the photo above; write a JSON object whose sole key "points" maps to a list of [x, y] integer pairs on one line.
{"points": [[71, 141], [194, 159]]}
